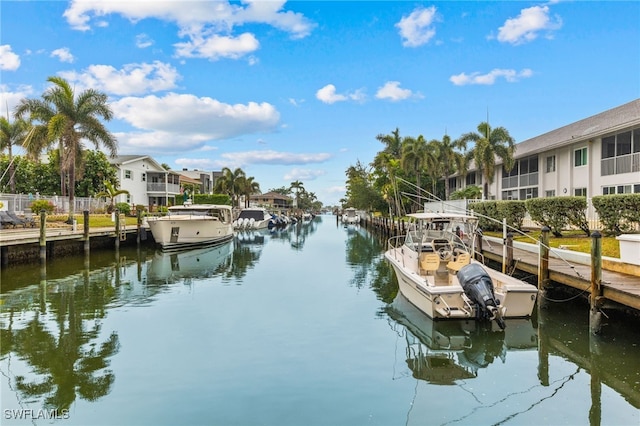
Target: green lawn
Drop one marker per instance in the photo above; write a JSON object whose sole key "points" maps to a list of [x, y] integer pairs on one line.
{"points": [[576, 240]]}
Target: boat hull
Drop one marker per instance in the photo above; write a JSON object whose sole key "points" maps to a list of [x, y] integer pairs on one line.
{"points": [[181, 233]]}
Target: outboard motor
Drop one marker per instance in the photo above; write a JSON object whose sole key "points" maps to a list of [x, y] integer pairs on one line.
{"points": [[478, 287]]}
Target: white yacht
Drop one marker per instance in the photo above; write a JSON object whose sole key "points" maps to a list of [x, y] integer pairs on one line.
{"points": [[350, 216], [192, 225]]}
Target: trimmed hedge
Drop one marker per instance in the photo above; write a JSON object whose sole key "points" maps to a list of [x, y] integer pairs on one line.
{"points": [[559, 212], [491, 213], [618, 213], [212, 199]]}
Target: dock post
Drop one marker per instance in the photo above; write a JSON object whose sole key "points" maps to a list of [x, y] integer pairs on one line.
{"points": [[595, 316], [85, 231], [139, 225], [117, 218], [509, 260], [543, 267], [43, 236]]}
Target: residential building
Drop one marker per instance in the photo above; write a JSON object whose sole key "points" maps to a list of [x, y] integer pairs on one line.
{"points": [[146, 180], [272, 200], [205, 179], [598, 155]]}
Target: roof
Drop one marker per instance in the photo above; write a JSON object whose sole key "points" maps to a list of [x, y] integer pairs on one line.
{"points": [[598, 125], [121, 160], [272, 195]]}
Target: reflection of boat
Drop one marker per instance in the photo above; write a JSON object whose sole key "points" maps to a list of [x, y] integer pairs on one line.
{"points": [[192, 263], [442, 352], [437, 273], [192, 225], [350, 216], [253, 218]]}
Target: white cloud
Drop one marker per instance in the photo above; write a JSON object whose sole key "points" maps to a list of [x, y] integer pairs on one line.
{"points": [[63, 54], [304, 174], [157, 142], [509, 75], [215, 47], [328, 95], [274, 157], [9, 61], [143, 41], [207, 25], [417, 28], [198, 118], [527, 25], [10, 98], [392, 91], [132, 79]]}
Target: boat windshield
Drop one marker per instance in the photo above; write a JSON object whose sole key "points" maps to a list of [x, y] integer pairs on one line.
{"points": [[252, 214], [220, 214]]}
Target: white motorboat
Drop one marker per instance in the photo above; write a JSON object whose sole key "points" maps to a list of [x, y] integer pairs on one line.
{"points": [[350, 216], [192, 225], [436, 270], [253, 218]]}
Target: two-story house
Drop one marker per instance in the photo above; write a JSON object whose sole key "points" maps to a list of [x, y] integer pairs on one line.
{"points": [[146, 180]]}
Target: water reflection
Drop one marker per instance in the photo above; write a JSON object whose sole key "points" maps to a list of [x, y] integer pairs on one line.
{"points": [[443, 352], [52, 344], [186, 265]]}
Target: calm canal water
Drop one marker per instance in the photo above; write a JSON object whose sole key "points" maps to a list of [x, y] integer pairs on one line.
{"points": [[298, 327]]}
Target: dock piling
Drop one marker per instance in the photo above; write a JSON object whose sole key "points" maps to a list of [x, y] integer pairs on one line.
{"points": [[543, 268], [43, 236], [85, 235], [595, 316]]}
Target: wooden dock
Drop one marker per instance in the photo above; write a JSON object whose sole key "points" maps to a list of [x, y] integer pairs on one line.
{"points": [[616, 286]]}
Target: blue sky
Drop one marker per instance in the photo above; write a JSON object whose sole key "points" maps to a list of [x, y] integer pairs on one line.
{"points": [[299, 90]]}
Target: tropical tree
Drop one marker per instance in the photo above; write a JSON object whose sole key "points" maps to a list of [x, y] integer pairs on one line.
{"points": [[110, 192], [418, 156], [12, 134], [450, 159], [489, 145], [63, 116], [248, 187], [97, 169], [298, 187], [393, 143], [229, 183]]}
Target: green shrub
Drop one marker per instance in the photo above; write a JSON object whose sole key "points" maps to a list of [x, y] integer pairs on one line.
{"points": [[487, 212], [123, 208], [513, 210], [38, 205], [212, 199], [559, 212], [618, 213]]}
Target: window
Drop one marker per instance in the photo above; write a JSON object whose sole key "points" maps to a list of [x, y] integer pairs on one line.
{"points": [[127, 174], [471, 178], [623, 143], [609, 147], [624, 189], [551, 164], [580, 192], [144, 177], [550, 193], [607, 190], [527, 193], [580, 157]]}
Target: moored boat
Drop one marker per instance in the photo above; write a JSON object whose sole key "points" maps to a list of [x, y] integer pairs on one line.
{"points": [[436, 270], [192, 225], [253, 218], [350, 216]]}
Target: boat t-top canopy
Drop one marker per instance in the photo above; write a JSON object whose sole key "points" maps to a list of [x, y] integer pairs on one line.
{"points": [[440, 217]]}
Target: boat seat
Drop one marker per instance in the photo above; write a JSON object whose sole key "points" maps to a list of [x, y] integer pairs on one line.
{"points": [[429, 262], [461, 260]]}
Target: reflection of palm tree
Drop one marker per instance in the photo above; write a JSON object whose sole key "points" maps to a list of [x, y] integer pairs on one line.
{"points": [[70, 364]]}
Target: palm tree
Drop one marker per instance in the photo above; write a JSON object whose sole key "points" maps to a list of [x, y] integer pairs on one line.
{"points": [[450, 159], [393, 143], [248, 186], [229, 183], [69, 118], [489, 144], [416, 156], [298, 187], [12, 134], [111, 193]]}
